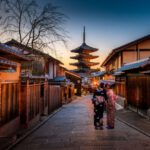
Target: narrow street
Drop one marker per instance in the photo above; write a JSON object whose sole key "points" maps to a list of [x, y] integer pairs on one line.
{"points": [[72, 128]]}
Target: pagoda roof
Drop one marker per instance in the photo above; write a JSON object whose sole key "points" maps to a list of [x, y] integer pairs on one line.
{"points": [[84, 56], [84, 48], [85, 70], [84, 63]]}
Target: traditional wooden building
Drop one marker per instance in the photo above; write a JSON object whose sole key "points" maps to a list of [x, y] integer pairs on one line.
{"points": [[10, 71], [36, 92], [25, 93], [61, 71], [76, 79], [83, 58], [127, 53], [133, 83], [42, 65], [97, 76]]}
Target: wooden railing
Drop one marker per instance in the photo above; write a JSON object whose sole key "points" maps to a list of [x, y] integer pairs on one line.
{"points": [[35, 97], [9, 101], [54, 97], [30, 101]]}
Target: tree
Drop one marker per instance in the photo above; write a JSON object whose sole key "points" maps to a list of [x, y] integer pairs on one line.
{"points": [[32, 25]]}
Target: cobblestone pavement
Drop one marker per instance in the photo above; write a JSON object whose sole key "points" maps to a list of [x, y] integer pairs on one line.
{"points": [[72, 129], [134, 120]]}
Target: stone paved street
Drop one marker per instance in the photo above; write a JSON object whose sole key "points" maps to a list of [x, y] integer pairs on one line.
{"points": [[72, 129]]}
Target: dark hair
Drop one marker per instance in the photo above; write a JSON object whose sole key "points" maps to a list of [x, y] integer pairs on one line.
{"points": [[107, 85], [112, 85], [101, 85]]}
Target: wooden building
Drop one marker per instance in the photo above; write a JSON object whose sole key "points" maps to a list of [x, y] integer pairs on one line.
{"points": [[61, 71], [10, 71], [127, 53], [70, 83], [76, 79], [42, 64], [133, 83], [25, 90], [96, 77], [39, 97]]}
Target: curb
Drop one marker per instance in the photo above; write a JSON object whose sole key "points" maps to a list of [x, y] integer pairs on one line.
{"points": [[32, 130], [134, 127]]}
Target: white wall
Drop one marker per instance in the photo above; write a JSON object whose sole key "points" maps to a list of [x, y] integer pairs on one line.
{"points": [[51, 70]]}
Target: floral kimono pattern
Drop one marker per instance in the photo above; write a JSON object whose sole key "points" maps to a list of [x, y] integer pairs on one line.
{"points": [[111, 108]]}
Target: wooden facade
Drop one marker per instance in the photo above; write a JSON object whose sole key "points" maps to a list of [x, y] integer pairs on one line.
{"points": [[120, 88], [42, 64], [61, 71], [127, 53], [30, 103], [9, 107], [134, 84], [10, 66], [38, 98], [76, 79], [23, 99], [23, 104], [138, 87], [54, 97]]}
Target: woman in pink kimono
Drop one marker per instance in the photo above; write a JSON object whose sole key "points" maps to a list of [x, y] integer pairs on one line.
{"points": [[110, 108]]}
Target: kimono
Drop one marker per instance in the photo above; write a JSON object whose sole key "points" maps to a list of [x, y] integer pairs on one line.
{"points": [[99, 106], [111, 109]]}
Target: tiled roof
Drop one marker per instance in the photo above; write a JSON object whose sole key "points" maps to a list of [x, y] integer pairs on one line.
{"points": [[60, 78], [11, 50], [84, 63], [31, 50], [134, 65], [80, 56], [73, 73], [5, 61], [121, 48], [110, 82], [98, 74], [84, 47]]}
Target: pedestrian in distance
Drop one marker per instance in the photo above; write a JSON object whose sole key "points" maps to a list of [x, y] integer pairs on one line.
{"points": [[110, 107]]}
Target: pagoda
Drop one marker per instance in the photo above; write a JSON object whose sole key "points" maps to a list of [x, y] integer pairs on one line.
{"points": [[83, 58]]}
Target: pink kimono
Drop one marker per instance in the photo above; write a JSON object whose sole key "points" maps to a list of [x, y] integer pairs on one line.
{"points": [[111, 108]]}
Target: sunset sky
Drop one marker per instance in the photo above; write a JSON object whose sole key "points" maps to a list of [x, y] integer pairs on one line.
{"points": [[109, 24]]}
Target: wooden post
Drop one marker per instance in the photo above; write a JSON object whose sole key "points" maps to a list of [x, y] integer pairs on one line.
{"points": [[27, 101], [4, 104], [9, 101], [0, 104], [138, 52]]}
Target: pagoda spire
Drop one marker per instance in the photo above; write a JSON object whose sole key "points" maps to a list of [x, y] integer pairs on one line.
{"points": [[83, 57], [84, 34]]}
